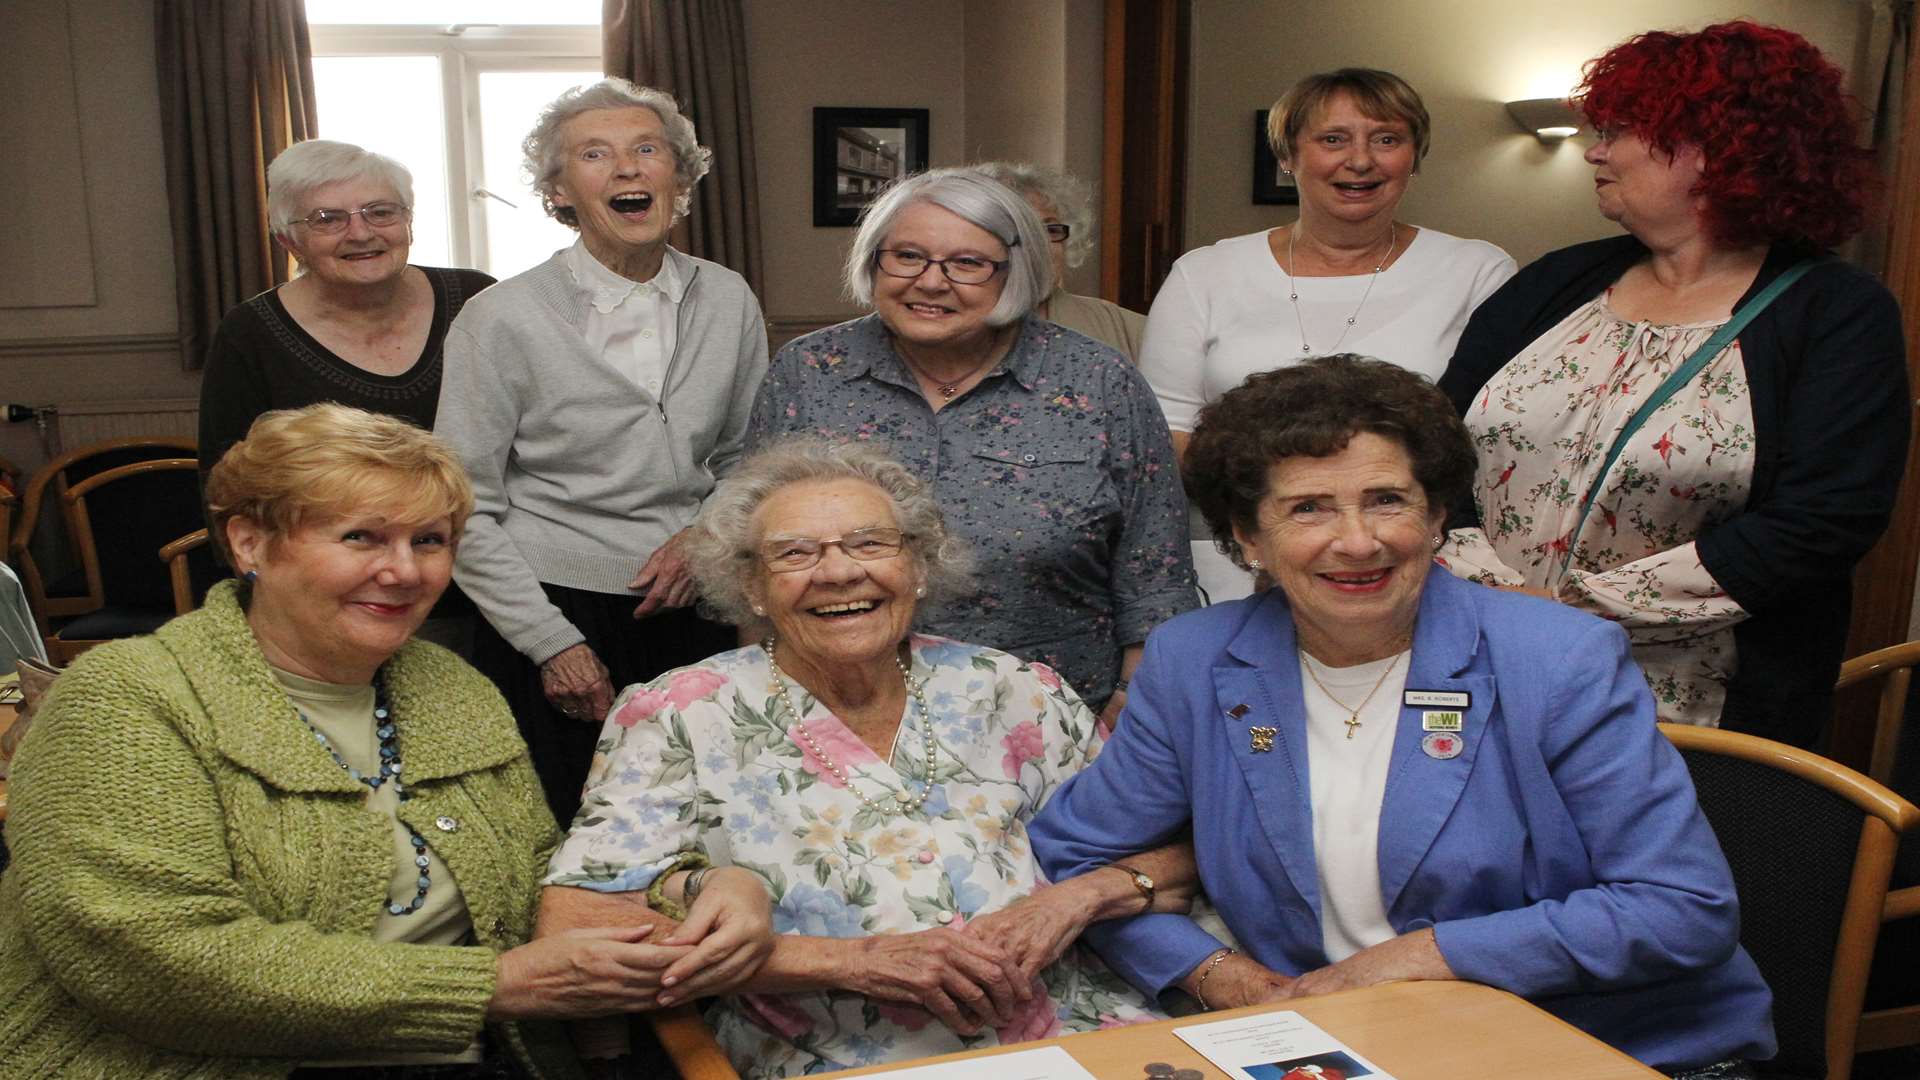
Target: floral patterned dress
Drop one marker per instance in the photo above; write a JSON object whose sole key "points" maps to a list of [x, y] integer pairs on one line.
{"points": [[707, 759], [1543, 427]]}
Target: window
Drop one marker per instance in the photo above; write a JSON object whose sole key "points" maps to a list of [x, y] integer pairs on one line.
{"points": [[450, 97]]}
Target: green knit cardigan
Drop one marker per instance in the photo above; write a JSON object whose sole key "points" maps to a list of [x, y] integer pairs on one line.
{"points": [[195, 882]]}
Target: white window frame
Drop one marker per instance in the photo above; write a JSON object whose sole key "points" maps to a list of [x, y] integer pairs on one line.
{"points": [[464, 53]]}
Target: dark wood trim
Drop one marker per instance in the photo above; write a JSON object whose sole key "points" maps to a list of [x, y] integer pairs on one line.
{"points": [[1143, 166]]}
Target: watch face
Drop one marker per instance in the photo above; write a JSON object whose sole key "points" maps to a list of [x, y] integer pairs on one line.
{"points": [[1142, 880]]}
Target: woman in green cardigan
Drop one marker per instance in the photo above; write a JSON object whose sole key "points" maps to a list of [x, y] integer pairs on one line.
{"points": [[279, 838]]}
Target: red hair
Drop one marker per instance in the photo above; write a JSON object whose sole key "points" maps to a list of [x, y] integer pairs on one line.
{"points": [[1768, 113]]}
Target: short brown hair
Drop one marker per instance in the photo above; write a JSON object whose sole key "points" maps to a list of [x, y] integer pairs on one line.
{"points": [[329, 460], [1313, 409], [1381, 95]]}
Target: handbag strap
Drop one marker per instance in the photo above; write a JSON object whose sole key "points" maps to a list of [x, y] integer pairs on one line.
{"points": [[1680, 377]]}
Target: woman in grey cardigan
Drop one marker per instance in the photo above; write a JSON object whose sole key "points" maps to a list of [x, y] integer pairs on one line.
{"points": [[594, 399]]}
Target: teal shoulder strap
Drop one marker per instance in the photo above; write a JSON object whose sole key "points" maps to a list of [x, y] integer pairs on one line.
{"points": [[1680, 377]]}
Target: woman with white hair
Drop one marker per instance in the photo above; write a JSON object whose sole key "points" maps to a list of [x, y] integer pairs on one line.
{"points": [[594, 399], [358, 326], [1046, 449], [1065, 206]]}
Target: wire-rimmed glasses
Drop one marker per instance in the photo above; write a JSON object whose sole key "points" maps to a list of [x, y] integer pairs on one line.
{"points": [[789, 554], [377, 215]]}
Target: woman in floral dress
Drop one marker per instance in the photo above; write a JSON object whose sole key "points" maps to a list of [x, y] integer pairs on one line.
{"points": [[1722, 531], [879, 784]]}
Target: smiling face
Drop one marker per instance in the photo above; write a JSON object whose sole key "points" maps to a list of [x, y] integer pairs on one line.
{"points": [[1351, 166], [336, 597], [620, 181], [360, 254], [841, 611], [1349, 537], [1645, 191], [930, 311]]}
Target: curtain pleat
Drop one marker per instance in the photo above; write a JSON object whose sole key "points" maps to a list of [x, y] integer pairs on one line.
{"points": [[236, 88], [696, 50]]}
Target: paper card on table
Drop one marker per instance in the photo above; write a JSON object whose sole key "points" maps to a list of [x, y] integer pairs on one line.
{"points": [[1046, 1063], [1277, 1046]]}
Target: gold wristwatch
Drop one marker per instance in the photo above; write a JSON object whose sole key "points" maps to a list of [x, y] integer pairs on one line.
{"points": [[1140, 881]]}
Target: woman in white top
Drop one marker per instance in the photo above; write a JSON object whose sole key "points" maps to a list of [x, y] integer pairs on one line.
{"points": [[1344, 277]]}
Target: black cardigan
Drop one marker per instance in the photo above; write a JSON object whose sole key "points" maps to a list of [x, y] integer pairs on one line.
{"points": [[1826, 367]]}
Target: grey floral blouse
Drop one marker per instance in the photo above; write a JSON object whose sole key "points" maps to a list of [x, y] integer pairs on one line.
{"points": [[1056, 468]]}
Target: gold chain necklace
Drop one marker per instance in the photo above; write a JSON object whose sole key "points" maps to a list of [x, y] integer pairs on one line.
{"points": [[1353, 714], [902, 803], [1293, 290]]}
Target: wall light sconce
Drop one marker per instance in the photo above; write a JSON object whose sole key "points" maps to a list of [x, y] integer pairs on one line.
{"points": [[1547, 119]]}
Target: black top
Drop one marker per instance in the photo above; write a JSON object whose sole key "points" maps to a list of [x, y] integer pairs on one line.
{"points": [[261, 359], [1826, 366]]}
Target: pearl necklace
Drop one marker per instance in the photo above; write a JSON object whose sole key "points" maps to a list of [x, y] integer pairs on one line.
{"points": [[1293, 288], [390, 768], [902, 803]]}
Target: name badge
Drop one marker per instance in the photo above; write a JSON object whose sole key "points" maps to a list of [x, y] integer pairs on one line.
{"points": [[1437, 699], [1440, 721]]}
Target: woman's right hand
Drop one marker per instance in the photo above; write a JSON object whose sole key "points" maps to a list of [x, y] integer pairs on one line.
{"points": [[966, 982], [577, 684], [1237, 981], [580, 974]]}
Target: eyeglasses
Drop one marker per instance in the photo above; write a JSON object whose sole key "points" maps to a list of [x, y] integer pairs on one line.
{"points": [[793, 553], [377, 215], [1058, 231], [960, 269]]}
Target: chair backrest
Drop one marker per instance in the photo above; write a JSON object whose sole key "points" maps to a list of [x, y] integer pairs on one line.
{"points": [[9, 503], [123, 517], [123, 507], [1811, 844], [1895, 663], [191, 569]]}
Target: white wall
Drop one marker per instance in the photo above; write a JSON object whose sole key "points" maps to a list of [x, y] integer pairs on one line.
{"points": [[1484, 178]]}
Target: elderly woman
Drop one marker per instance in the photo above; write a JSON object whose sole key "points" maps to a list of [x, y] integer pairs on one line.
{"points": [[1394, 774], [278, 833], [358, 326], [1637, 460], [1347, 274], [594, 399], [1065, 208], [878, 782], [1045, 448]]}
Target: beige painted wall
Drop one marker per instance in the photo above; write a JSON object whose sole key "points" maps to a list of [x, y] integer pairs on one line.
{"points": [[1484, 178]]}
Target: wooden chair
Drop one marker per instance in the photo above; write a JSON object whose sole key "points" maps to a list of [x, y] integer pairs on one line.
{"points": [[690, 1044], [1811, 843], [120, 501], [9, 499], [1887, 1028], [190, 569]]}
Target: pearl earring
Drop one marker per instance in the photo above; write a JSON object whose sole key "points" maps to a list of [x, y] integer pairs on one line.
{"points": [[758, 610], [1438, 542], [919, 591], [1255, 564]]}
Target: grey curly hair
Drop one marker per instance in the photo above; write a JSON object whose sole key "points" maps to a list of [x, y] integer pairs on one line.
{"points": [[1071, 198], [722, 547], [545, 153]]}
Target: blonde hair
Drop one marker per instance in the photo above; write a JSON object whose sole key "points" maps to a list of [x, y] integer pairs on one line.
{"points": [[329, 460], [1379, 95]]}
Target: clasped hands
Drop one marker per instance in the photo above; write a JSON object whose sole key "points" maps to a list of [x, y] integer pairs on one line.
{"points": [[1240, 980]]}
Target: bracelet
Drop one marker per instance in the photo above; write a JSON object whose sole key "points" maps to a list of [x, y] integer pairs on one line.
{"points": [[657, 892], [1200, 984], [695, 882], [1120, 684]]}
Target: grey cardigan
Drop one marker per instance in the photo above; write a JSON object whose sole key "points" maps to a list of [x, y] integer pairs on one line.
{"points": [[578, 473]]}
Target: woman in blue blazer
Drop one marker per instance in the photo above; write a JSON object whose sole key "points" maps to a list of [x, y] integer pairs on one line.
{"points": [[1395, 774]]}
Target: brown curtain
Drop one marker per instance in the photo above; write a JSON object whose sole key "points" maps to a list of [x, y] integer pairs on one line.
{"points": [[696, 50], [236, 88]]}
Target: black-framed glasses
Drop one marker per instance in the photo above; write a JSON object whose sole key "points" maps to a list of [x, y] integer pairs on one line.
{"points": [[1058, 231], [378, 215], [960, 269], [789, 554]]}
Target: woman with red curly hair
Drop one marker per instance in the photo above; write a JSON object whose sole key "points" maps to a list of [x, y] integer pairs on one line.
{"points": [[1697, 429]]}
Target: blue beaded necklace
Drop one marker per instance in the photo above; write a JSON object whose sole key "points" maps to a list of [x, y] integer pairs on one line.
{"points": [[390, 768]]}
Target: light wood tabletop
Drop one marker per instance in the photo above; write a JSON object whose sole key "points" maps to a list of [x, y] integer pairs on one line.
{"points": [[1414, 1030]]}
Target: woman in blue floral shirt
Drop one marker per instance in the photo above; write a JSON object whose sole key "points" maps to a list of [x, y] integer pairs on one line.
{"points": [[1047, 450], [877, 782]]}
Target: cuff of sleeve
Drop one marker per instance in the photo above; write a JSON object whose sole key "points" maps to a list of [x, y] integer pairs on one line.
{"points": [[554, 642], [1153, 952], [440, 1002], [1482, 950], [1138, 618]]}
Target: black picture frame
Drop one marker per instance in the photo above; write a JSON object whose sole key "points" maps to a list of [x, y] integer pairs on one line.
{"points": [[1271, 187], [858, 151]]}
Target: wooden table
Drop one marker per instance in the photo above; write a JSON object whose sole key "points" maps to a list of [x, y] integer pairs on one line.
{"points": [[1414, 1030]]}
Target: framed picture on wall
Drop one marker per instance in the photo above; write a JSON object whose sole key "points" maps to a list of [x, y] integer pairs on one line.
{"points": [[856, 152], [1271, 187]]}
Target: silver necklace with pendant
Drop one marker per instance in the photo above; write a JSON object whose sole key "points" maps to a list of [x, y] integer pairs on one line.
{"points": [[1293, 288]]}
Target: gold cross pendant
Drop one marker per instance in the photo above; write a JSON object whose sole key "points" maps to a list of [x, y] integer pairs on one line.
{"points": [[1353, 724], [1263, 738]]}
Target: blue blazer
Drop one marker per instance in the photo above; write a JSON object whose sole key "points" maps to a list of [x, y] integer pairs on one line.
{"points": [[1561, 856]]}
